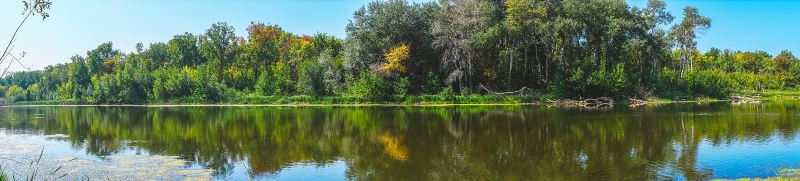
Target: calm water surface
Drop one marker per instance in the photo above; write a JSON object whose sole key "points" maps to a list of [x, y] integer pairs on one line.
{"points": [[668, 142]]}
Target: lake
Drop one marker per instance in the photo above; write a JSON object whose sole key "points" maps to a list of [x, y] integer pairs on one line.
{"points": [[667, 142]]}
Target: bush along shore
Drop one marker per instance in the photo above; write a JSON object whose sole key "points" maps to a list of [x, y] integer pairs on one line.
{"points": [[436, 100], [446, 52]]}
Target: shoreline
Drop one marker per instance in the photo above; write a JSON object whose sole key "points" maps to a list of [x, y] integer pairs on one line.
{"points": [[651, 102], [276, 105]]}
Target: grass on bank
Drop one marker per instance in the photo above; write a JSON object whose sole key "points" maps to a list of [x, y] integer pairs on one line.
{"points": [[782, 175], [3, 176], [406, 100], [667, 97], [776, 94]]}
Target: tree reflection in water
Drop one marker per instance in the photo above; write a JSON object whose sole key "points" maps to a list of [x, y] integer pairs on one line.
{"points": [[429, 143]]}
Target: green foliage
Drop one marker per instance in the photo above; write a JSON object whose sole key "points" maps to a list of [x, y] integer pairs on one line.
{"points": [[173, 83], [401, 51], [219, 46], [99, 60], [105, 89], [381, 25], [433, 84], [282, 83], [369, 86], [401, 87], [3, 90], [587, 81], [446, 94], [135, 82], [332, 74], [240, 76], [14, 93], [712, 83], [310, 79], [183, 51], [264, 84], [38, 7], [23, 79], [751, 81]]}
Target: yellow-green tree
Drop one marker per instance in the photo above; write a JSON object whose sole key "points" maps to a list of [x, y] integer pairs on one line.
{"points": [[394, 60]]}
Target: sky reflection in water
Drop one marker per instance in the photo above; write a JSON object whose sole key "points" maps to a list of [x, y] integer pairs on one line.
{"points": [[675, 141]]}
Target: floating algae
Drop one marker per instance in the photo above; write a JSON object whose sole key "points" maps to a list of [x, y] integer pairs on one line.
{"points": [[129, 167], [22, 158]]}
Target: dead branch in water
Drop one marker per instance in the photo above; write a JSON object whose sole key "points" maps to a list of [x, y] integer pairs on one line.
{"points": [[744, 99], [636, 102], [586, 103], [519, 92]]}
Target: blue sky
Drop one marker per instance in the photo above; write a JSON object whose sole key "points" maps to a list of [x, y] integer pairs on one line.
{"points": [[80, 25]]}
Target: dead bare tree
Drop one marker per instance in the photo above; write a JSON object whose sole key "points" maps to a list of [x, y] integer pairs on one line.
{"points": [[685, 34]]}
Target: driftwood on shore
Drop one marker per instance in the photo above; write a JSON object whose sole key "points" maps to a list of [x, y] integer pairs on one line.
{"points": [[518, 92], [744, 99], [636, 102], [585, 103]]}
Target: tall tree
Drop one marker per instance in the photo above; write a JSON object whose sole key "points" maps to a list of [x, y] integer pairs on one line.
{"points": [[183, 50], [218, 46], [685, 33], [523, 21], [98, 57], [79, 77], [156, 56], [379, 26], [454, 27], [265, 42]]}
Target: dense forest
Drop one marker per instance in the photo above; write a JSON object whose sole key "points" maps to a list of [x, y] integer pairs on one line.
{"points": [[395, 51]]}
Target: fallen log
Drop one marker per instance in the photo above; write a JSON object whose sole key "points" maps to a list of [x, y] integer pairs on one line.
{"points": [[587, 103], [636, 102], [744, 99], [520, 91]]}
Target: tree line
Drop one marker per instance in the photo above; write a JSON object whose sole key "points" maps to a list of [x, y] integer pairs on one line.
{"points": [[396, 49]]}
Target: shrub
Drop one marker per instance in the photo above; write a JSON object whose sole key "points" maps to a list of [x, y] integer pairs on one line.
{"points": [[282, 83], [310, 79], [174, 83], [446, 94], [708, 82], [15, 93], [669, 80], [105, 89], [586, 80], [368, 86], [263, 83], [401, 87]]}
